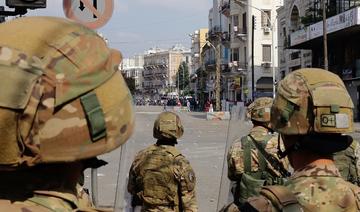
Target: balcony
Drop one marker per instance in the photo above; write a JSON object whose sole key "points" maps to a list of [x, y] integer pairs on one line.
{"points": [[238, 67], [240, 33], [213, 33], [225, 8]]}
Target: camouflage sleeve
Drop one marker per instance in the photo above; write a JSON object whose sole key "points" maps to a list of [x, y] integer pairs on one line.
{"points": [[186, 176], [131, 186], [131, 182], [235, 161], [357, 161]]}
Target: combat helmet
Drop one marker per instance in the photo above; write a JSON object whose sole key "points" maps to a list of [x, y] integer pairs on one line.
{"points": [[259, 110], [313, 102], [168, 126], [62, 97]]}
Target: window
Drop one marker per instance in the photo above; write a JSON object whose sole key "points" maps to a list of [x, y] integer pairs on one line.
{"points": [[265, 18], [266, 49], [235, 55], [244, 23], [235, 20]]}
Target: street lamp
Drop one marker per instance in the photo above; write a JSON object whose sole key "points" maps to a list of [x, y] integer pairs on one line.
{"points": [[272, 38]]}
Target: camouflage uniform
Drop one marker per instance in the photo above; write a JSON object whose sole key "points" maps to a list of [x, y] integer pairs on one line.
{"points": [[235, 154], [160, 178], [62, 103], [259, 113], [347, 161], [316, 121]]}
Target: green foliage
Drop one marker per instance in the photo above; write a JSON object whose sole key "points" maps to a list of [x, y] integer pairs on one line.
{"points": [[182, 77], [130, 82]]}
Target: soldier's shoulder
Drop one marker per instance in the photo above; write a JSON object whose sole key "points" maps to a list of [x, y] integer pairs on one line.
{"points": [[333, 192]]}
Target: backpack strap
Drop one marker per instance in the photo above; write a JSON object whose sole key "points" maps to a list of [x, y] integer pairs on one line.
{"points": [[246, 146], [281, 198], [270, 158]]}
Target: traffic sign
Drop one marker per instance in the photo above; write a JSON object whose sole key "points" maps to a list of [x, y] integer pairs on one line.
{"points": [[91, 13]]}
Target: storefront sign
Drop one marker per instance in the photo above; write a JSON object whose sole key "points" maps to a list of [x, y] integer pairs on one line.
{"points": [[339, 22], [299, 36]]}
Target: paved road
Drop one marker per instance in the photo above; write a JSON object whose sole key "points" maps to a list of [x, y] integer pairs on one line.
{"points": [[203, 144]]}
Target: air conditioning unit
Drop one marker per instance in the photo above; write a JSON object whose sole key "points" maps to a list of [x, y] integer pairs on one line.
{"points": [[230, 64], [266, 64], [235, 63], [267, 29], [236, 28]]}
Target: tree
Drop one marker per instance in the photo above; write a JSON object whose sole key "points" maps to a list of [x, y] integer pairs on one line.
{"points": [[130, 82], [182, 77]]}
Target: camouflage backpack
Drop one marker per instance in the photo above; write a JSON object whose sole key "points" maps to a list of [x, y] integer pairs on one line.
{"points": [[158, 185]]}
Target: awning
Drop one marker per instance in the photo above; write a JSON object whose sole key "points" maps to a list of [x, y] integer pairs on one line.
{"points": [[264, 83]]}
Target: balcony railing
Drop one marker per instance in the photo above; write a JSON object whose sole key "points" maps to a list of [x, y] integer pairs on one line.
{"points": [[225, 8]]}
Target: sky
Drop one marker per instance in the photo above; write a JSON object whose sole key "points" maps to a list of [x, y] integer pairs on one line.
{"points": [[137, 25]]}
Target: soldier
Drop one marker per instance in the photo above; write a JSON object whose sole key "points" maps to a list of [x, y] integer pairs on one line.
{"points": [[312, 124], [252, 160], [347, 161], [160, 178], [62, 103]]}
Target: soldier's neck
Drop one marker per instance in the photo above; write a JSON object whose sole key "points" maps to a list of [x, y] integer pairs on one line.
{"points": [[298, 161], [166, 142]]}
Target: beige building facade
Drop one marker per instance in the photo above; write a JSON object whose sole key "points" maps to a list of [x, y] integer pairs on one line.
{"points": [[160, 68]]}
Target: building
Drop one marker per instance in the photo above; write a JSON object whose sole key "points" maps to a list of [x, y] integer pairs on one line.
{"points": [[343, 30], [289, 16], [198, 41], [160, 68], [133, 68], [243, 34], [217, 35]]}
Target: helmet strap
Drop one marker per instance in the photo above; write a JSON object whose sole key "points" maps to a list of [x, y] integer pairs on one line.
{"points": [[282, 154]]}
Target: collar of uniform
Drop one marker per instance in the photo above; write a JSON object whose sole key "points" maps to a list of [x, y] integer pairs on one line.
{"points": [[316, 170], [68, 197], [259, 129]]}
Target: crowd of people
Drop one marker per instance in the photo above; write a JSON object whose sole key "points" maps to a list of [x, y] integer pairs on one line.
{"points": [[62, 103]]}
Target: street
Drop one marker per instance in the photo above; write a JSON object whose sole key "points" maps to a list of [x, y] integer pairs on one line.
{"points": [[203, 144]]}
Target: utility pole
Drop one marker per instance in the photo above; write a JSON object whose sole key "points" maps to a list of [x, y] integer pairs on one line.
{"points": [[218, 73], [326, 62], [252, 59]]}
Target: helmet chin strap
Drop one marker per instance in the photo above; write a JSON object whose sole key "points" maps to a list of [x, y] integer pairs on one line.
{"points": [[282, 154]]}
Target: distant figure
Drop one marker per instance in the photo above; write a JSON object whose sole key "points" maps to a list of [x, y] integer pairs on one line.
{"points": [[164, 104], [178, 103], [211, 109], [188, 105]]}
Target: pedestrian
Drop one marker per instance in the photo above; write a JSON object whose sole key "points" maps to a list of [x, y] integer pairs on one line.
{"points": [[188, 106], [211, 109], [252, 160], [312, 125], [165, 104], [62, 104], [160, 178]]}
